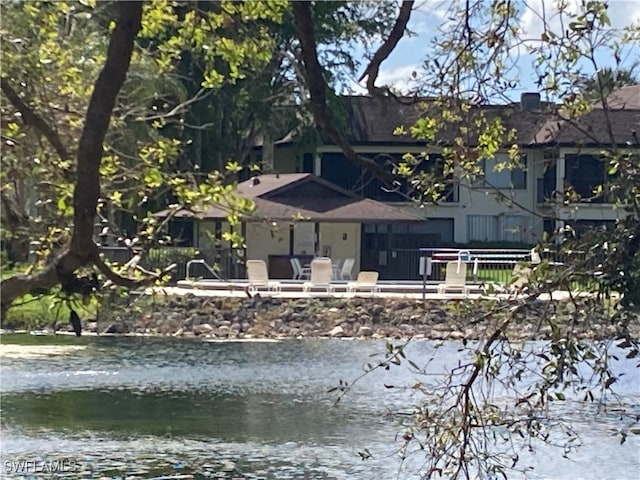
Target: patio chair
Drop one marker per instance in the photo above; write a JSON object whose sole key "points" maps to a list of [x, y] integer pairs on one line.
{"points": [[320, 275], [299, 272], [366, 281], [347, 266], [336, 269], [259, 277], [455, 278]]}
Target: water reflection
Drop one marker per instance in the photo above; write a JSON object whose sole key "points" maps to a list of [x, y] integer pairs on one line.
{"points": [[239, 410]]}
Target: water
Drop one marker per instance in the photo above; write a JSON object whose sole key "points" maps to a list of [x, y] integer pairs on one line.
{"points": [[154, 408]]}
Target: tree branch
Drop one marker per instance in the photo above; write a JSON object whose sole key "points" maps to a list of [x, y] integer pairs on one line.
{"points": [[313, 75], [30, 117], [397, 32], [82, 250]]}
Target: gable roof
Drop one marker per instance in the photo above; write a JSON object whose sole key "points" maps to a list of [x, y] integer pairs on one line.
{"points": [[623, 114], [305, 197], [371, 120]]}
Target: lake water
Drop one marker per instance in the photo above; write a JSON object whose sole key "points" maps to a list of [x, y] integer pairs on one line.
{"points": [[105, 407]]}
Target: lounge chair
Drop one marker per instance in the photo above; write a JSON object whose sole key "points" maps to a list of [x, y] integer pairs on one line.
{"points": [[455, 278], [347, 266], [299, 272], [321, 271], [259, 277], [366, 281]]}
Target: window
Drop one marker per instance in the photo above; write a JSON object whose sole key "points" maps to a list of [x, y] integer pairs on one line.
{"points": [[499, 173], [181, 231], [584, 173], [498, 228], [340, 171]]}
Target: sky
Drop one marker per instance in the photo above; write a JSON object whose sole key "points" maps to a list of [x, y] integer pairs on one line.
{"points": [[407, 58]]}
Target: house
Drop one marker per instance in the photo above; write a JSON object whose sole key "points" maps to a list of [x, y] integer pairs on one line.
{"points": [[298, 214], [508, 206], [556, 155]]}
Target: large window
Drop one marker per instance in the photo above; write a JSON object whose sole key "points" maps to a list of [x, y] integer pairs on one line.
{"points": [[498, 228], [584, 173], [340, 171], [498, 172]]}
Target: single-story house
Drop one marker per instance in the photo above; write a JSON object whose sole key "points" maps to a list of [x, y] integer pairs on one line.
{"points": [[299, 214]]}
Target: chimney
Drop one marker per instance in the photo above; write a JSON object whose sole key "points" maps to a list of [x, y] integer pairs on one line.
{"points": [[530, 101]]}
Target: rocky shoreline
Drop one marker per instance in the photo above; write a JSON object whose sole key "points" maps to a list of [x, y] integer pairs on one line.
{"points": [[275, 318]]}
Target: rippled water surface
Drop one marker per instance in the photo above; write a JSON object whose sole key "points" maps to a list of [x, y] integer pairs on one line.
{"points": [[167, 408]]}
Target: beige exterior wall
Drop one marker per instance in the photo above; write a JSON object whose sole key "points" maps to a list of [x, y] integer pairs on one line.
{"points": [[264, 239], [343, 240], [474, 201]]}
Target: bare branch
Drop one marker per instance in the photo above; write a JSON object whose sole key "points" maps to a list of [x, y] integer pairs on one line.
{"points": [[397, 32], [313, 75], [32, 118], [120, 280]]}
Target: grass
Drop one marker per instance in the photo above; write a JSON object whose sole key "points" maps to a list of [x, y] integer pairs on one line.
{"points": [[30, 312]]}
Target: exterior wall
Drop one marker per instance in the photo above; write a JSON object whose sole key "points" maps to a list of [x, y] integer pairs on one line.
{"points": [[263, 240], [475, 201], [333, 235]]}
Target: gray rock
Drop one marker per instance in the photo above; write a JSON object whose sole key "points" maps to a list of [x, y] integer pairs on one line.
{"points": [[336, 332], [203, 329], [365, 331]]}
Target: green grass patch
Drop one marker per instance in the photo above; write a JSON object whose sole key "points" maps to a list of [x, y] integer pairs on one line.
{"points": [[31, 312]]}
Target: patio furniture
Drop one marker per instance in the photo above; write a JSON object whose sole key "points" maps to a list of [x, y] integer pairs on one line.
{"points": [[335, 269], [299, 272], [366, 281], [259, 277], [321, 270], [455, 278], [347, 266]]}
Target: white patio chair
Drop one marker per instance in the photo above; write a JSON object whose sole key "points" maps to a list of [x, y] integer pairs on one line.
{"points": [[299, 272], [366, 281], [321, 271], [455, 278], [259, 277], [347, 266], [335, 269]]}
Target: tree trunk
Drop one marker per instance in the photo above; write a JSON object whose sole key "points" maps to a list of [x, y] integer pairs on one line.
{"points": [[82, 250]]}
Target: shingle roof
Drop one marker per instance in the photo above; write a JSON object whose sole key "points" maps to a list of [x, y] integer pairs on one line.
{"points": [[372, 120], [623, 115], [304, 196]]}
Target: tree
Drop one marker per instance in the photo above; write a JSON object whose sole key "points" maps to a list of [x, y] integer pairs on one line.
{"points": [[126, 156], [606, 81], [225, 48]]}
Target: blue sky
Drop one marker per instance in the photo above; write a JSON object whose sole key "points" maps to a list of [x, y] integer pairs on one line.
{"points": [[429, 14]]}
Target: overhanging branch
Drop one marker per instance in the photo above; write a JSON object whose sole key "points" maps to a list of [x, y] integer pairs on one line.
{"points": [[314, 78], [32, 118], [397, 32]]}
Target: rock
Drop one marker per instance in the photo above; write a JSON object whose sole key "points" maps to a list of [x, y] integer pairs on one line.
{"points": [[336, 332], [202, 329], [365, 331], [456, 335], [111, 328]]}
